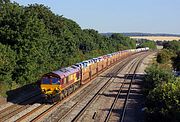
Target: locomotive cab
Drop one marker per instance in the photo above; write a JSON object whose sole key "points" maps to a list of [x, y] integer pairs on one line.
{"points": [[50, 86], [58, 84]]}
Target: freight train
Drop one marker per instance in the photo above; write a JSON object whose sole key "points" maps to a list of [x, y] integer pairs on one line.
{"points": [[58, 84]]}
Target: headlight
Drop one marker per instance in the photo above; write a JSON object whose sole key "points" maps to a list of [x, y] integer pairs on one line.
{"points": [[43, 90]]}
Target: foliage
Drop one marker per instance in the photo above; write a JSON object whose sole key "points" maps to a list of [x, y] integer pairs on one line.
{"points": [[147, 43], [162, 94], [156, 75], [162, 87], [176, 62], [7, 64], [164, 56], [172, 45], [35, 41], [163, 102], [126, 41]]}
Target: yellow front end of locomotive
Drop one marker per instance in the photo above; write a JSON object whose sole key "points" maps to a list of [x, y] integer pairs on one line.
{"points": [[49, 89]]}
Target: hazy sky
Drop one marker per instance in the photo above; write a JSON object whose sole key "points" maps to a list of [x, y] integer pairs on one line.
{"points": [[154, 16]]}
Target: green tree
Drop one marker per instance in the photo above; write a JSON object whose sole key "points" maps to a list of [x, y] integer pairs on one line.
{"points": [[126, 41], [148, 43], [7, 64], [172, 45], [164, 56], [176, 62], [155, 76], [4, 1], [163, 102]]}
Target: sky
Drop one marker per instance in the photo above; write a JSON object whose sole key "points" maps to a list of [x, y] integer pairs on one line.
{"points": [[147, 16]]}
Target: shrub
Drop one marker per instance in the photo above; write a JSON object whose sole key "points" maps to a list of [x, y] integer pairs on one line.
{"points": [[164, 101], [155, 75]]}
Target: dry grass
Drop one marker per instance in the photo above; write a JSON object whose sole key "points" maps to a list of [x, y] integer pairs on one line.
{"points": [[157, 38]]}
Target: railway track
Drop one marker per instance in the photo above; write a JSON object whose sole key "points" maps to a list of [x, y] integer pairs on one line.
{"points": [[109, 115], [15, 109], [80, 114], [50, 108], [19, 100], [76, 104], [81, 96], [108, 82]]}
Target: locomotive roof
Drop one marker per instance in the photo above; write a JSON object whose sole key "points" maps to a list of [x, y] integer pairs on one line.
{"points": [[64, 72]]}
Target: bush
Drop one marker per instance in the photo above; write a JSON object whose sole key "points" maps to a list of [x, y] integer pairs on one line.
{"points": [[176, 62], [164, 101], [155, 75], [147, 43], [7, 64], [162, 94], [172, 45], [164, 56]]}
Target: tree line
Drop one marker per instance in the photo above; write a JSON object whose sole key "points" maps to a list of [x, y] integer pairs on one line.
{"points": [[34, 41], [146, 43]]}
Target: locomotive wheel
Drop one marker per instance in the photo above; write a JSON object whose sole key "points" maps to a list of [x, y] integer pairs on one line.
{"points": [[57, 98], [65, 93], [74, 88], [61, 96], [69, 91]]}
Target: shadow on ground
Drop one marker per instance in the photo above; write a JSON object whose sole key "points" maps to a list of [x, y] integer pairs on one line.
{"points": [[135, 102], [21, 95]]}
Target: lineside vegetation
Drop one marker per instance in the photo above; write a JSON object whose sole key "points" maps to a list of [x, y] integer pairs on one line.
{"points": [[161, 87]]}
